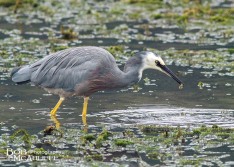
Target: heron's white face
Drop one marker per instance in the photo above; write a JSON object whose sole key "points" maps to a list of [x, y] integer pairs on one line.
{"points": [[151, 60]]}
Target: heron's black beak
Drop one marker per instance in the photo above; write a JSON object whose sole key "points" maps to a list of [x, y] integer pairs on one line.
{"points": [[171, 74]]}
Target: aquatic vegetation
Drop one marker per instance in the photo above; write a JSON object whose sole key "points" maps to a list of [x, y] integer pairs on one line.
{"points": [[231, 50], [116, 50], [151, 129], [215, 130], [158, 143], [68, 33], [55, 48], [123, 142], [156, 16], [47, 10], [183, 19], [193, 162], [88, 137], [8, 3], [200, 85], [154, 155], [207, 59], [4, 54], [103, 136], [96, 157], [17, 3], [141, 1], [22, 135]]}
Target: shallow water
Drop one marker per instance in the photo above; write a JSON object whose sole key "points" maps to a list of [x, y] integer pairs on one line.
{"points": [[159, 95]]}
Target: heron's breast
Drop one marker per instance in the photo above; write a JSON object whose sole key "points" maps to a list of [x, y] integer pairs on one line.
{"points": [[60, 92]]}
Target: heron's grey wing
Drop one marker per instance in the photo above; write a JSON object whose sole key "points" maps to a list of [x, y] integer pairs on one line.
{"points": [[69, 77], [70, 67], [23, 74]]}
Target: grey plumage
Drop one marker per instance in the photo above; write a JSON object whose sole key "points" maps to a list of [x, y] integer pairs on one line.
{"points": [[72, 69]]}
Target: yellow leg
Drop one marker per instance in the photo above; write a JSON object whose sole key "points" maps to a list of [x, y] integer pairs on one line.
{"points": [[84, 112], [55, 120], [53, 112]]}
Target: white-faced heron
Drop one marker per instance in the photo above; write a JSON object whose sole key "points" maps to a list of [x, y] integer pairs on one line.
{"points": [[81, 71]]}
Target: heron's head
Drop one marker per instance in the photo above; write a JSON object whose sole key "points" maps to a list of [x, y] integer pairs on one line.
{"points": [[151, 60]]}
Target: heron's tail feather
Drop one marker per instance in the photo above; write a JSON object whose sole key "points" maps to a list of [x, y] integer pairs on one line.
{"points": [[21, 75]]}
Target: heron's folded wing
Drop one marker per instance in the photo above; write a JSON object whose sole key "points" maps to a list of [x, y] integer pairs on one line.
{"points": [[65, 69]]}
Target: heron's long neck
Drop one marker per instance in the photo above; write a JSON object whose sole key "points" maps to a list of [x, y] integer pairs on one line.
{"points": [[131, 74]]}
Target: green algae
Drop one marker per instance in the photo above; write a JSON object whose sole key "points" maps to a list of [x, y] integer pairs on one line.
{"points": [[215, 130], [154, 155], [103, 136], [8, 3], [200, 85], [176, 136], [88, 137], [152, 129], [122, 142], [141, 1], [231, 50], [191, 10], [23, 136], [56, 48], [218, 60], [96, 157], [47, 10], [4, 54], [193, 162], [156, 16], [116, 50], [99, 138]]}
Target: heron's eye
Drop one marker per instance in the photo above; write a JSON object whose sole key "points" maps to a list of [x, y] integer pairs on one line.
{"points": [[157, 62]]}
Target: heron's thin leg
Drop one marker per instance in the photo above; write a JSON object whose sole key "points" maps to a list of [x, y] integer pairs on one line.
{"points": [[84, 112], [55, 120], [53, 112]]}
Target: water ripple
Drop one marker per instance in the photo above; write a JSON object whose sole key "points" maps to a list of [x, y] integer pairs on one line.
{"points": [[166, 115]]}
